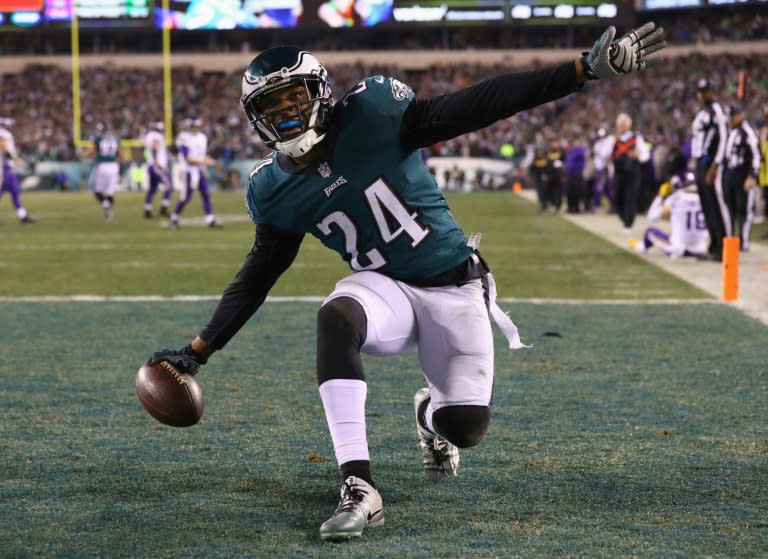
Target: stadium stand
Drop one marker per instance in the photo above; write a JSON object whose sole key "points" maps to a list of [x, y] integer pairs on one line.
{"points": [[125, 89]]}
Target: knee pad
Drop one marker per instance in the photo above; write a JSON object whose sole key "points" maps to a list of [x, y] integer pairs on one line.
{"points": [[341, 330], [462, 426]]}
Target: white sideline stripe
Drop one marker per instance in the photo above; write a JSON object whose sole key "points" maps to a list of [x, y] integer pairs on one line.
{"points": [[315, 299]]}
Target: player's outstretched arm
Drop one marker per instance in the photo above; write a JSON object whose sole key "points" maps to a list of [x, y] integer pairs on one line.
{"points": [[611, 57]]}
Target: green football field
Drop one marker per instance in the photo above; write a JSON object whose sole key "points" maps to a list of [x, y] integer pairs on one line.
{"points": [[634, 427]]}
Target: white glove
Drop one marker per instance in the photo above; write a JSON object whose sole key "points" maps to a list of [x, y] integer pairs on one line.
{"points": [[609, 57]]}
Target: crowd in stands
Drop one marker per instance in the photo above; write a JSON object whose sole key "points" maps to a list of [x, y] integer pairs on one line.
{"points": [[661, 102]]}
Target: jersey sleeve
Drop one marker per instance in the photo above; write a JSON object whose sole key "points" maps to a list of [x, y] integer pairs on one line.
{"points": [[372, 111], [380, 96], [272, 253], [722, 126], [654, 211], [754, 146], [256, 189], [10, 145], [430, 120]]}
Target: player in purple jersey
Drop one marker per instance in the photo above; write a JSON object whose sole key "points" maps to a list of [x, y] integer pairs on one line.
{"points": [[678, 202], [10, 182], [194, 158], [349, 173], [156, 154]]}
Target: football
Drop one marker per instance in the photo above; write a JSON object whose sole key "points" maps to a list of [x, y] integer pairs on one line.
{"points": [[170, 396]]}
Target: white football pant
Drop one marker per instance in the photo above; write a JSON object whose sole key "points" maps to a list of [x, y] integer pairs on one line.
{"points": [[448, 326], [105, 178]]}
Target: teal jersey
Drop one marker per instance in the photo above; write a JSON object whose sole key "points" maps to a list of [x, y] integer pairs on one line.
{"points": [[106, 148], [374, 203]]}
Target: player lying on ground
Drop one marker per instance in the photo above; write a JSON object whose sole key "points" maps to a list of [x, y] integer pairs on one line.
{"points": [[350, 174], [678, 201]]}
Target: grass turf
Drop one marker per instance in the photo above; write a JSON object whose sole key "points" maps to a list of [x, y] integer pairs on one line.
{"points": [[637, 431], [72, 250], [626, 431]]}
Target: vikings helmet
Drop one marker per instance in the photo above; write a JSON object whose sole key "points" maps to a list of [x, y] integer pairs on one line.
{"points": [[685, 180], [278, 68]]}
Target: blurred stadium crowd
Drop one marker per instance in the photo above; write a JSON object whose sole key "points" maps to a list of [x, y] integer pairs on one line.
{"points": [[662, 103]]}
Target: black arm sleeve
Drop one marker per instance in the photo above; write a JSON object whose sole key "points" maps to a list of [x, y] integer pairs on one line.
{"points": [[273, 252], [430, 120]]}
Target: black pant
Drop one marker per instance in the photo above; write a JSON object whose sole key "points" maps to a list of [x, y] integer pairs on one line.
{"points": [[550, 191], [626, 187], [736, 198], [710, 205], [574, 193]]}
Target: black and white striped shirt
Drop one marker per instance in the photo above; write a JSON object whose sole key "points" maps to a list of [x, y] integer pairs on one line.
{"points": [[742, 150], [710, 130]]}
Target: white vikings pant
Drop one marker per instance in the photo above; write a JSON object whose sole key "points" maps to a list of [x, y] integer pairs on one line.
{"points": [[448, 326], [105, 178]]}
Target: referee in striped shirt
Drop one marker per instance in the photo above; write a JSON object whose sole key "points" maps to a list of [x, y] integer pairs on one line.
{"points": [[742, 166], [710, 130]]}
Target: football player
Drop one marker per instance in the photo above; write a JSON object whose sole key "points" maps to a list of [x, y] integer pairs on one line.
{"points": [[193, 156], [350, 174], [9, 182], [678, 201], [104, 179], [156, 155]]}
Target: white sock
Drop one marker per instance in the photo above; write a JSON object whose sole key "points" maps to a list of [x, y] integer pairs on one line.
{"points": [[344, 404], [428, 413]]}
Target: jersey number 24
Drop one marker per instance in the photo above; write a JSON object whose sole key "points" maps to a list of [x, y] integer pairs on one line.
{"points": [[380, 199]]}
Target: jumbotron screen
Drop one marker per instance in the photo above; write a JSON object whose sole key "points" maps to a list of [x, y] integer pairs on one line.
{"points": [[652, 5], [98, 13], [252, 14], [466, 12], [230, 14]]}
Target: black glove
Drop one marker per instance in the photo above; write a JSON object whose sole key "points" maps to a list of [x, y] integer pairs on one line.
{"points": [[187, 360], [609, 57]]}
